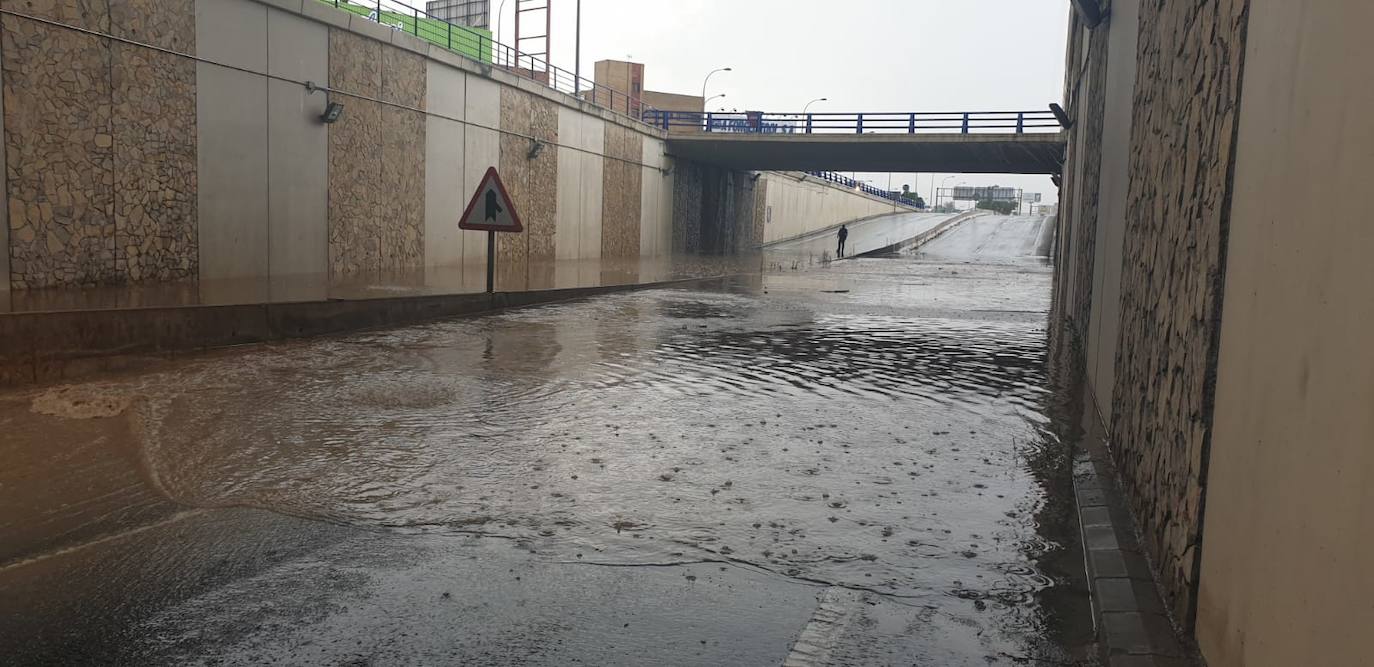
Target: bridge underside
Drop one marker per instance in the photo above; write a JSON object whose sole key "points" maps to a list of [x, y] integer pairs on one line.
{"points": [[946, 153]]}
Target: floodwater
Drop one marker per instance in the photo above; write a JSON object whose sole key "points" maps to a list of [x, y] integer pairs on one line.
{"points": [[855, 463]]}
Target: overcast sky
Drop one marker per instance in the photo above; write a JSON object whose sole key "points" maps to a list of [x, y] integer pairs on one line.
{"points": [[864, 55]]}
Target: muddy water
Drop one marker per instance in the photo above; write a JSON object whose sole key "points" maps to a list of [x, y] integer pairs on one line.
{"points": [[877, 426]]}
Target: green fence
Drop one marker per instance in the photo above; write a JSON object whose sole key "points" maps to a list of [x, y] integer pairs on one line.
{"points": [[473, 43]]}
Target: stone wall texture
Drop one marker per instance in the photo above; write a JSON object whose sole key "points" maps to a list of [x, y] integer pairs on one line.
{"points": [[376, 158], [622, 180], [716, 211], [100, 143], [59, 146], [1188, 73], [1186, 104], [1087, 102], [154, 118], [527, 258]]}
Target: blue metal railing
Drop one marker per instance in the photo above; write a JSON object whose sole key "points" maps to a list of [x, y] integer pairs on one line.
{"points": [[479, 46], [840, 179], [919, 122]]}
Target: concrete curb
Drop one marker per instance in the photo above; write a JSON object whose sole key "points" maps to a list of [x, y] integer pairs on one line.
{"points": [[60, 346], [1133, 625], [922, 238]]}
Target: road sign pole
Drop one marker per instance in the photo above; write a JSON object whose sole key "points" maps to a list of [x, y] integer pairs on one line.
{"points": [[491, 262]]}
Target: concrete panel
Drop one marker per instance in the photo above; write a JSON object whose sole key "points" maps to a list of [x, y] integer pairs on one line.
{"points": [[1114, 191], [593, 187], [445, 194], [231, 120], [446, 187], [795, 206], [1289, 531], [481, 149], [651, 230], [483, 103], [297, 48], [297, 147], [446, 88], [232, 32], [567, 241], [298, 192]]}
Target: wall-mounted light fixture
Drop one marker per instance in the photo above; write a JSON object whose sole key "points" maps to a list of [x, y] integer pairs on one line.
{"points": [[1089, 12], [1061, 116], [332, 111], [536, 147]]}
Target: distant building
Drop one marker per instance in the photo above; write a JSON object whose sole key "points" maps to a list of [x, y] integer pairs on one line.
{"points": [[626, 79], [470, 13], [619, 86]]}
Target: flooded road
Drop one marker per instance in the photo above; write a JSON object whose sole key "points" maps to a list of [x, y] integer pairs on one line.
{"points": [[855, 464]]}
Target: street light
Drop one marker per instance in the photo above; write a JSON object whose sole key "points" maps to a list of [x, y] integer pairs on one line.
{"points": [[942, 186], [708, 77], [808, 104], [708, 102], [500, 9]]}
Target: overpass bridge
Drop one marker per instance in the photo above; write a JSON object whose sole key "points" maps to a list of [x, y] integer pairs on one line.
{"points": [[1002, 142]]}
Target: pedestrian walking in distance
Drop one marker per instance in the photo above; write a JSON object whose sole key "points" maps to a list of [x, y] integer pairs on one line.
{"points": [[843, 234]]}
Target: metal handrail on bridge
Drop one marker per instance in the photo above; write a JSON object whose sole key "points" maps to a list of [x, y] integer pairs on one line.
{"points": [[918, 122], [861, 186], [477, 46]]}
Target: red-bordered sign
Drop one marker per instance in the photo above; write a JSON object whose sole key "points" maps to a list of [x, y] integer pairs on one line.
{"points": [[491, 209]]}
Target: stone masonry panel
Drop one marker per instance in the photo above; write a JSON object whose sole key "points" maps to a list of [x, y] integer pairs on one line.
{"points": [[376, 158], [86, 14], [59, 143], [1187, 92], [527, 258], [100, 141], [622, 180], [154, 115]]}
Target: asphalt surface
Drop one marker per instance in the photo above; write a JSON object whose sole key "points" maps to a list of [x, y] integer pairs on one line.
{"points": [[854, 463]]}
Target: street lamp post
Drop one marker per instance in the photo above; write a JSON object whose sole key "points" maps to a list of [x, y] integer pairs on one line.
{"points": [[708, 78], [707, 103], [808, 104], [500, 9], [577, 53], [942, 186]]}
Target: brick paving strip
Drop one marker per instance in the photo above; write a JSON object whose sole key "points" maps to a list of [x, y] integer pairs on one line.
{"points": [[1132, 624]]}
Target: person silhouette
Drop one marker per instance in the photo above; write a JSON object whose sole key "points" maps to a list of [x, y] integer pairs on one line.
{"points": [[493, 206], [843, 234]]}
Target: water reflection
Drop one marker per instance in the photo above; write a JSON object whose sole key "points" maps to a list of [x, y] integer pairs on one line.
{"points": [[466, 279], [883, 426]]}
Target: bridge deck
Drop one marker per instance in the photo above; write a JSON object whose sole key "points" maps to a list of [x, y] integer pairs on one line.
{"points": [[1032, 153]]}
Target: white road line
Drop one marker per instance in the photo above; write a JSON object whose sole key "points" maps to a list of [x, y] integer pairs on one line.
{"points": [[835, 611]]}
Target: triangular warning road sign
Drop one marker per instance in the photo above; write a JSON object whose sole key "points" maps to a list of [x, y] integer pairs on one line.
{"points": [[491, 209]]}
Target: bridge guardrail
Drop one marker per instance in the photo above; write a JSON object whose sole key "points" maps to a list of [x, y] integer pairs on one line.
{"points": [[916, 122], [840, 179]]}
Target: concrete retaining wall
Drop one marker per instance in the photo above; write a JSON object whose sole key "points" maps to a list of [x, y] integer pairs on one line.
{"points": [[1289, 532], [796, 205], [1227, 338], [208, 161], [1155, 284]]}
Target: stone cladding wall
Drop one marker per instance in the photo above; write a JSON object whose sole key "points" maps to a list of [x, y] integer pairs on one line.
{"points": [[1188, 70], [376, 157], [527, 258], [100, 141], [1187, 98], [622, 181]]}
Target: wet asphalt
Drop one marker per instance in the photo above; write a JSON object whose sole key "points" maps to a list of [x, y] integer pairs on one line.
{"points": [[852, 462]]}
